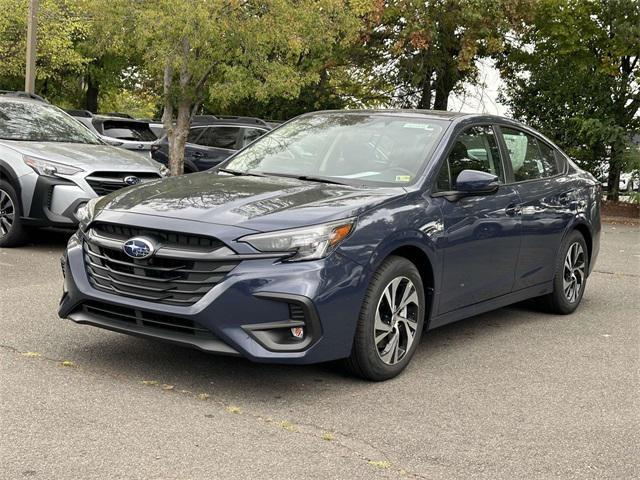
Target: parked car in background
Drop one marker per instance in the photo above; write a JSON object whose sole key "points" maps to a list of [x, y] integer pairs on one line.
{"points": [[211, 140], [629, 181], [340, 235], [157, 128], [118, 130], [50, 166]]}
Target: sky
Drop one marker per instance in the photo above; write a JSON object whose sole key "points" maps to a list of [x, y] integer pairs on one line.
{"points": [[481, 98]]}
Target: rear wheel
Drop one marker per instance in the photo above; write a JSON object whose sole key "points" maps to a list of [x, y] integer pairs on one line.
{"points": [[571, 275], [12, 231], [390, 323]]}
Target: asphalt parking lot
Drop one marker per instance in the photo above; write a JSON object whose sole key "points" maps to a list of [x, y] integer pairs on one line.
{"points": [[511, 394]]}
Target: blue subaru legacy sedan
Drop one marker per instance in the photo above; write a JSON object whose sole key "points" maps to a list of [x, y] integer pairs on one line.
{"points": [[340, 235]]}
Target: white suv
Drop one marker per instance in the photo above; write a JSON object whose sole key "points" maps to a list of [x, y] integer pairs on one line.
{"points": [[50, 165]]}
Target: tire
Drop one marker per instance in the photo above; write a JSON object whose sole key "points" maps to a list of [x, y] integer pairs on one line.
{"points": [[564, 299], [400, 334], [12, 231]]}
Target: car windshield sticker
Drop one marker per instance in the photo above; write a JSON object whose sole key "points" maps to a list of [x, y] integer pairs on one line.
{"points": [[403, 178], [421, 126], [358, 175]]}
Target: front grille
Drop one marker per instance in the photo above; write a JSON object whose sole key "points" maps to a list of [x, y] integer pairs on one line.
{"points": [[141, 318], [169, 280], [106, 182], [168, 239]]}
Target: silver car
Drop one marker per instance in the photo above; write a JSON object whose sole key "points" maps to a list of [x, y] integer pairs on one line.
{"points": [[51, 165], [123, 132]]}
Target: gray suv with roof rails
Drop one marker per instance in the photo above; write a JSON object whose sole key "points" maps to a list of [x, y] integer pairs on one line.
{"points": [[51, 165], [212, 140], [118, 129]]}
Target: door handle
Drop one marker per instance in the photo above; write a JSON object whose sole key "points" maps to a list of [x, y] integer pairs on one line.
{"points": [[198, 155], [513, 210]]}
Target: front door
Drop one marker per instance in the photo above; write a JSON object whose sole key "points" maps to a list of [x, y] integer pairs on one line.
{"points": [[481, 233]]}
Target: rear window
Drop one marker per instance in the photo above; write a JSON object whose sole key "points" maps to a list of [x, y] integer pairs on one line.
{"points": [[122, 130]]}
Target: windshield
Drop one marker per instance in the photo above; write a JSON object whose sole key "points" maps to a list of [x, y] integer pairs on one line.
{"points": [[348, 147], [41, 122]]}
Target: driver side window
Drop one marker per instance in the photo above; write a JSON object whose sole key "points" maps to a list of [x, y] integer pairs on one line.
{"points": [[475, 149]]}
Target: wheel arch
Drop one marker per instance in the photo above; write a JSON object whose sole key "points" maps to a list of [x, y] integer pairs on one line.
{"points": [[423, 263], [583, 228], [7, 174]]}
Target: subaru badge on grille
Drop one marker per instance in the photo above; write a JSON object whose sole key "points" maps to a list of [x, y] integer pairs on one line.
{"points": [[138, 248], [132, 180]]}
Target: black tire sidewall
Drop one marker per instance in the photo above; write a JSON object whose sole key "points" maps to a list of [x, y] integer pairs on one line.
{"points": [[560, 302], [16, 234], [365, 349]]}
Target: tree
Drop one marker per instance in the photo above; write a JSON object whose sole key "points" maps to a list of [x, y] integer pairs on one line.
{"points": [[109, 48], [572, 72], [230, 50], [427, 48], [60, 27]]}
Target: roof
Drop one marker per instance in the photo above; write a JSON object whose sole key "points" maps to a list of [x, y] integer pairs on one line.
{"points": [[441, 114]]}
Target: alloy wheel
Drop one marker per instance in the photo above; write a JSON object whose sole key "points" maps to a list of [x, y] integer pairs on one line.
{"points": [[396, 320], [7, 213], [573, 273]]}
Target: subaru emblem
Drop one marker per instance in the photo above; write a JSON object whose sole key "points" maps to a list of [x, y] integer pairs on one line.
{"points": [[138, 248], [132, 180]]}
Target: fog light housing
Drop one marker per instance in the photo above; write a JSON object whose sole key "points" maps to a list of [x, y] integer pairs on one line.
{"points": [[293, 334], [298, 332]]}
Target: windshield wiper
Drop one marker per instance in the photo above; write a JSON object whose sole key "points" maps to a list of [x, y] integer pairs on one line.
{"points": [[308, 178], [238, 173]]}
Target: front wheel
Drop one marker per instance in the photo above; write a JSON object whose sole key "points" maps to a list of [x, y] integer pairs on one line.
{"points": [[12, 231], [570, 277], [390, 322]]}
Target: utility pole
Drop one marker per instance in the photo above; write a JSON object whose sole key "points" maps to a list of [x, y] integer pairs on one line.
{"points": [[32, 29]]}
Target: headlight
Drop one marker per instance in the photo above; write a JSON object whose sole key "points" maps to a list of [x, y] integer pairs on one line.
{"points": [[308, 243], [162, 168], [85, 213], [49, 168]]}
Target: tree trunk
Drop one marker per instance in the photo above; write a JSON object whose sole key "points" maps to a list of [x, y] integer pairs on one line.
{"points": [[93, 90], [178, 138], [613, 181], [442, 95], [425, 95]]}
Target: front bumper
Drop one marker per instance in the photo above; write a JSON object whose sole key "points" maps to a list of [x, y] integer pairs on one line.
{"points": [[54, 201], [249, 313]]}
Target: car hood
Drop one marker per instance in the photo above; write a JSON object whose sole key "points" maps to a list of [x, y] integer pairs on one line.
{"points": [[86, 156], [256, 203]]}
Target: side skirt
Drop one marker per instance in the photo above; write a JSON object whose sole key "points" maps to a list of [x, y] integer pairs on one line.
{"points": [[492, 304]]}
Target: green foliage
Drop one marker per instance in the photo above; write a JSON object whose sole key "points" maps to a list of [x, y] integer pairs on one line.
{"points": [[138, 103], [232, 51], [572, 71], [427, 48], [60, 28]]}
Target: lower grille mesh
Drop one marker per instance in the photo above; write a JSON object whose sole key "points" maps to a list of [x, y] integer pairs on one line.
{"points": [[146, 319]]}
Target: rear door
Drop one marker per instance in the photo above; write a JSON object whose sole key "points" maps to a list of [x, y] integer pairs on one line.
{"points": [[482, 233], [546, 197]]}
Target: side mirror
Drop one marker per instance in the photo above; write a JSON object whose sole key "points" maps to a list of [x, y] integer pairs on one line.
{"points": [[475, 182]]}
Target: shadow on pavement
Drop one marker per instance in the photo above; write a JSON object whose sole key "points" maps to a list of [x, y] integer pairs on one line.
{"points": [[236, 377]]}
